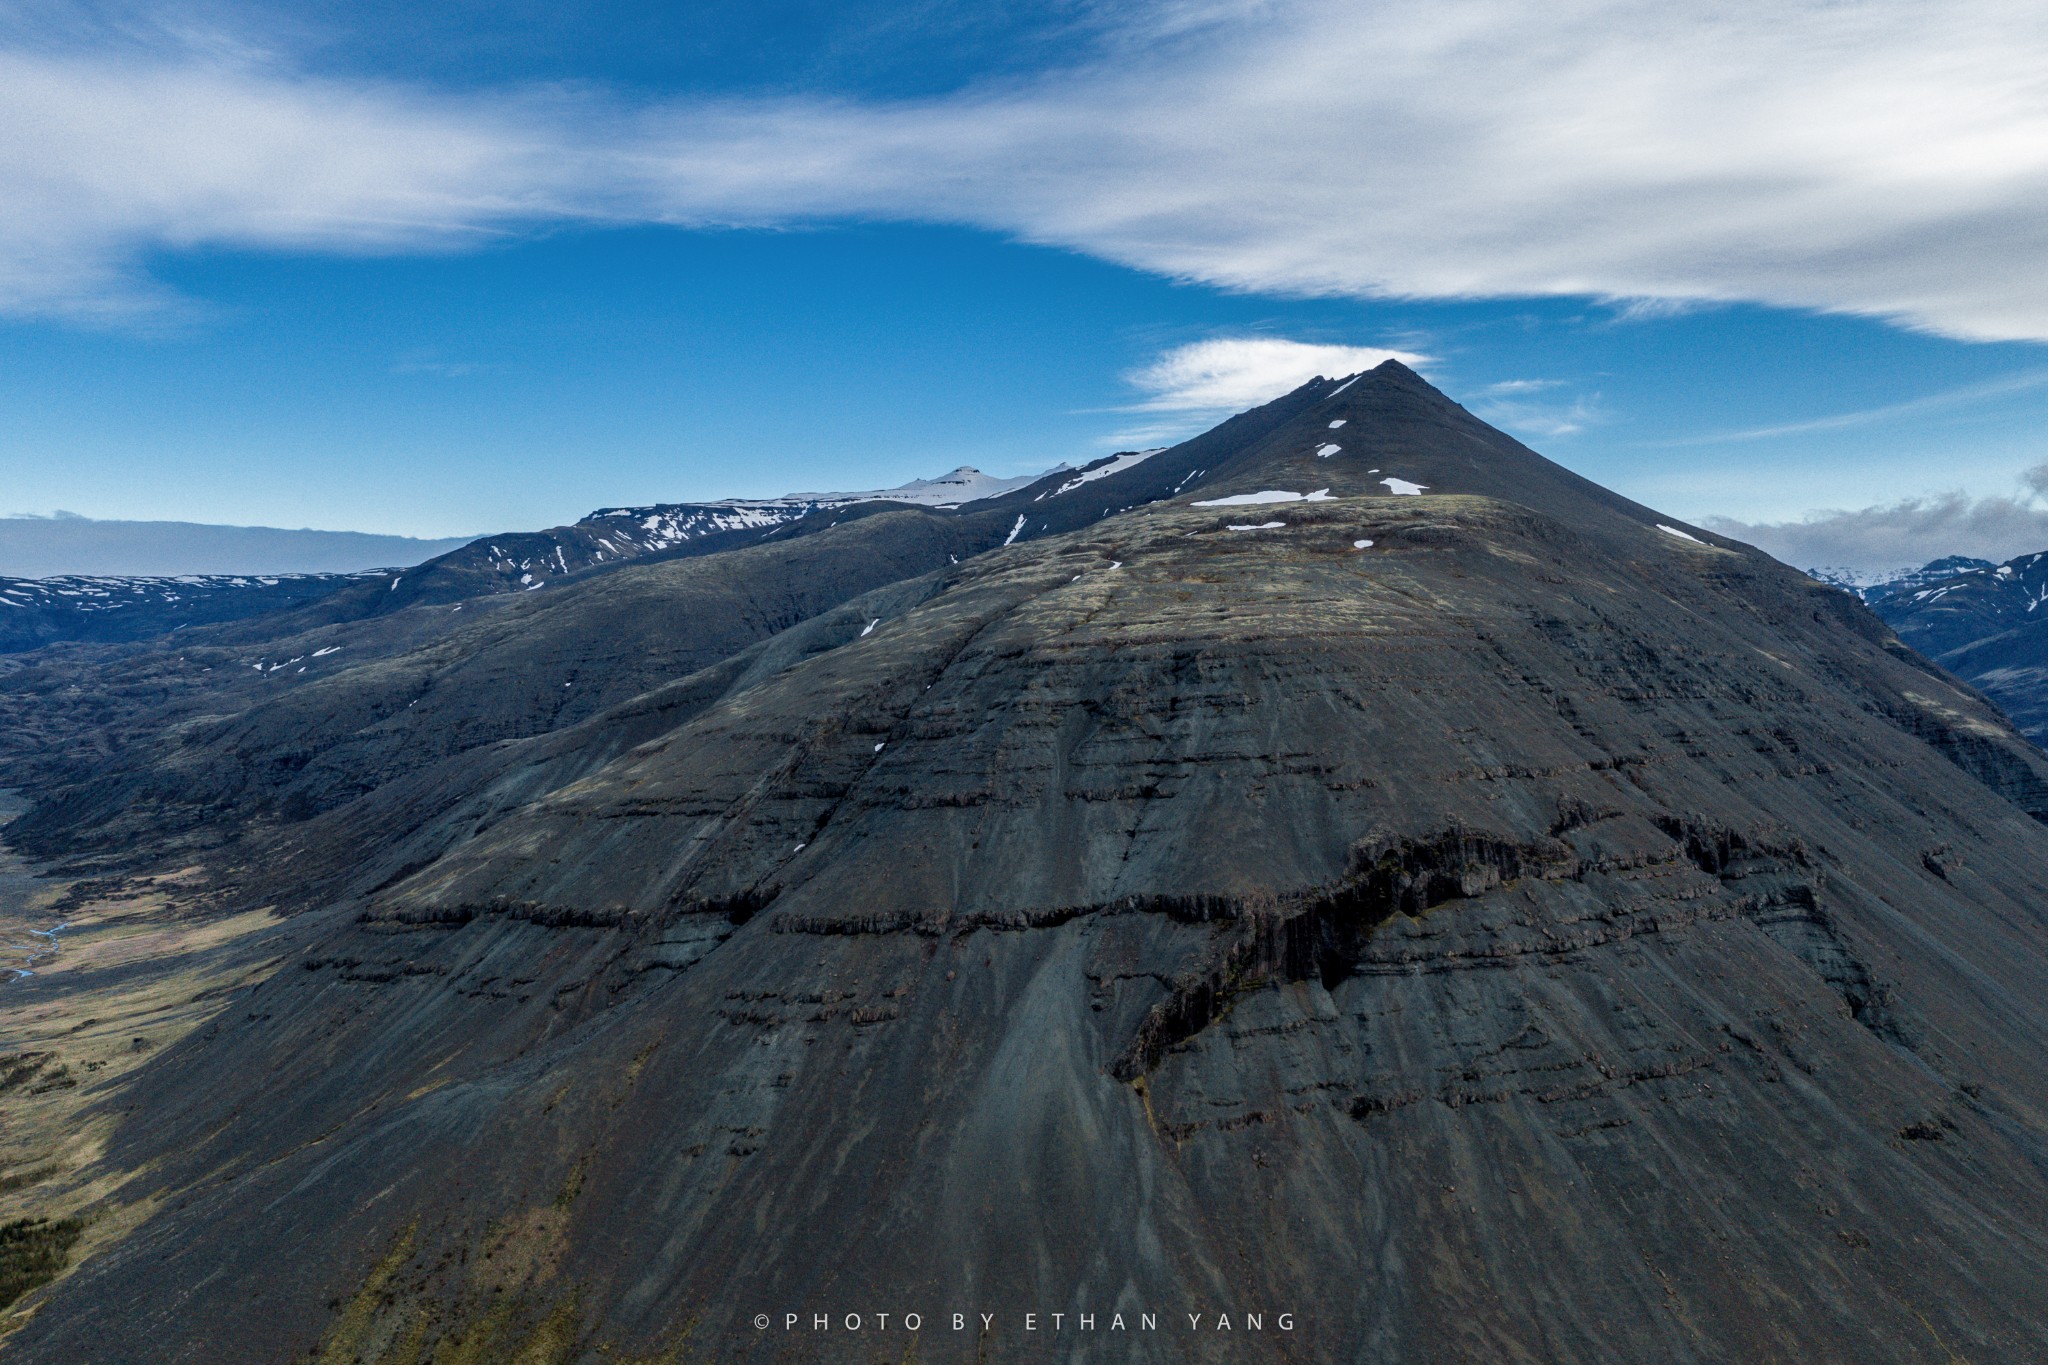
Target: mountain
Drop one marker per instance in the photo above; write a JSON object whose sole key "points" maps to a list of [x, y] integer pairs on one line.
{"points": [[39, 611], [1983, 622], [965, 484], [1875, 587], [110, 609], [1344, 872], [71, 546]]}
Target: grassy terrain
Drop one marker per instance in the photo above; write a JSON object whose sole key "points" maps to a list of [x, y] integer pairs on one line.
{"points": [[140, 965]]}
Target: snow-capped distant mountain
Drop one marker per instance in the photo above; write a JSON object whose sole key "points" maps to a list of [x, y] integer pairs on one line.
{"points": [[964, 485], [38, 611], [1876, 585], [103, 609], [627, 532], [1987, 623]]}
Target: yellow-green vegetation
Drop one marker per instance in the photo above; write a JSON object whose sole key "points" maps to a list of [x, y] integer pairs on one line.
{"points": [[509, 1306], [572, 1186], [494, 1338], [68, 1054], [365, 1308], [32, 1252]]}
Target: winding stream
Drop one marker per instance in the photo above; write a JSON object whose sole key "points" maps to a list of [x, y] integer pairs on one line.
{"points": [[18, 886]]}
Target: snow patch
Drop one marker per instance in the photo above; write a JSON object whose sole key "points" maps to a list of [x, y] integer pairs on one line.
{"points": [[1326, 451], [1262, 526], [1682, 535], [1338, 423], [1361, 545], [1118, 465], [1403, 487], [869, 629], [1015, 531], [1265, 495]]}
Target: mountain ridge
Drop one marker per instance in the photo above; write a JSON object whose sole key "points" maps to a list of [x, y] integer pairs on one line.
{"points": [[1984, 623]]}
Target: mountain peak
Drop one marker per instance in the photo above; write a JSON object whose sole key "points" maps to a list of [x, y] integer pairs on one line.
{"points": [[1388, 431]]}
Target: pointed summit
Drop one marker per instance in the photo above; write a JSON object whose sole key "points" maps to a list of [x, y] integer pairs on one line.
{"points": [[1383, 432]]}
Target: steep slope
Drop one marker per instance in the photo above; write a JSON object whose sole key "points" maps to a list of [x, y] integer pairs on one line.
{"points": [[610, 536], [194, 735], [291, 742], [1488, 922], [1987, 625]]}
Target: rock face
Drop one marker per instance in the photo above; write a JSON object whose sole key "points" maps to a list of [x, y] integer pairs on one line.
{"points": [[1987, 623], [1488, 922]]}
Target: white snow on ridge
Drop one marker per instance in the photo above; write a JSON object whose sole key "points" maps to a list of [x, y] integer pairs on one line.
{"points": [[1682, 535], [1268, 495], [105, 593], [1404, 488], [1262, 526], [963, 485], [644, 530], [1116, 466]]}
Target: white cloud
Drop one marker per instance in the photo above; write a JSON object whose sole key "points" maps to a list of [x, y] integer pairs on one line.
{"points": [[1907, 534], [106, 158], [1887, 157], [1229, 374], [1513, 407]]}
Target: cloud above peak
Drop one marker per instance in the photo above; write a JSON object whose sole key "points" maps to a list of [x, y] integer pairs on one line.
{"points": [[1230, 374], [1885, 158]]}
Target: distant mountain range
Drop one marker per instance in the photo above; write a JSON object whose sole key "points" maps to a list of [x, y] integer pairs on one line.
{"points": [[83, 547], [37, 610], [1876, 586], [1344, 870], [1987, 623]]}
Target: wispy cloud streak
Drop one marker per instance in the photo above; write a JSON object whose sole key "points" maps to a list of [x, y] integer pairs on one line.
{"points": [[1887, 158], [1961, 396]]}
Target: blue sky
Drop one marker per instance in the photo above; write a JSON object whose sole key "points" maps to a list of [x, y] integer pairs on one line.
{"points": [[449, 268]]}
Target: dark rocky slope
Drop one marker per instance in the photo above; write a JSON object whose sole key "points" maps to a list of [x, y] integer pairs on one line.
{"points": [[199, 736], [246, 732], [1482, 924]]}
